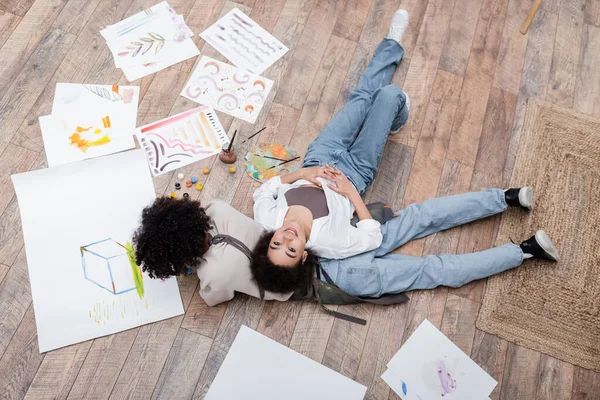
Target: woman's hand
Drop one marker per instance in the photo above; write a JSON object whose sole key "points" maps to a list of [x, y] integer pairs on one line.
{"points": [[342, 185], [312, 173]]}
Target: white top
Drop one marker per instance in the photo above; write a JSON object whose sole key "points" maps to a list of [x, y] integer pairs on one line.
{"points": [[331, 236]]}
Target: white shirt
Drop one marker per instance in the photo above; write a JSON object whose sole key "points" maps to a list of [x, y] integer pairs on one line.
{"points": [[331, 236]]}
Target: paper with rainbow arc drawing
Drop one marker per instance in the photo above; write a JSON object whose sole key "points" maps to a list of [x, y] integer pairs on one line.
{"points": [[78, 220], [88, 121], [182, 139], [244, 42], [229, 89], [429, 366]]}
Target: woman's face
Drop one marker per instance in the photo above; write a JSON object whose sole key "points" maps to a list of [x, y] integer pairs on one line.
{"points": [[287, 245]]}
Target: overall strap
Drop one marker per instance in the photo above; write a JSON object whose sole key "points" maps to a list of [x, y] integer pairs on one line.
{"points": [[238, 244], [337, 314]]}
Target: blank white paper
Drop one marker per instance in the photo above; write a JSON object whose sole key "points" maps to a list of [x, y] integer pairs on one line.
{"points": [[259, 368], [78, 220], [430, 366]]}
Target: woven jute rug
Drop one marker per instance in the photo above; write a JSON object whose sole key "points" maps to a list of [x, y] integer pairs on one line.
{"points": [[550, 307]]}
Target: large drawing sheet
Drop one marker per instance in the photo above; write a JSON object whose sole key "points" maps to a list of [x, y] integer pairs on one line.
{"points": [[430, 366], [226, 88], [259, 368], [114, 99], [182, 139], [78, 220], [244, 42]]}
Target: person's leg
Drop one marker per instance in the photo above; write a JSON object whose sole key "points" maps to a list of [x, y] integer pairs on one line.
{"points": [[363, 159], [368, 276], [434, 215], [341, 131]]}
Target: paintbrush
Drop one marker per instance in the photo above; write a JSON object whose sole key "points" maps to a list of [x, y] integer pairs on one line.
{"points": [[251, 136], [285, 162], [232, 139], [270, 158]]}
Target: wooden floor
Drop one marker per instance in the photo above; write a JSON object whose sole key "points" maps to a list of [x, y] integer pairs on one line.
{"points": [[469, 73]]}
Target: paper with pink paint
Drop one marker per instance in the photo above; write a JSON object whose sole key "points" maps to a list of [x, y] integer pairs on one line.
{"points": [[229, 89], [429, 366]]}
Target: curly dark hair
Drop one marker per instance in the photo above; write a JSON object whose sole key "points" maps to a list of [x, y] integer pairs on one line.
{"points": [[172, 237], [275, 278]]}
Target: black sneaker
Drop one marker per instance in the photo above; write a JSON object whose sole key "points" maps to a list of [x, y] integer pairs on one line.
{"points": [[520, 197], [540, 245]]}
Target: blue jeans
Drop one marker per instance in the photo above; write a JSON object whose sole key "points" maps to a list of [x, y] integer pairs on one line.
{"points": [[354, 139], [377, 272]]}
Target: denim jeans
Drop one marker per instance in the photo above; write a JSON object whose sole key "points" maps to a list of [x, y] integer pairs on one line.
{"points": [[354, 139], [377, 272]]}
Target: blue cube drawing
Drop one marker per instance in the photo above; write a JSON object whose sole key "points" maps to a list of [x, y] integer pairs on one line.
{"points": [[106, 263]]}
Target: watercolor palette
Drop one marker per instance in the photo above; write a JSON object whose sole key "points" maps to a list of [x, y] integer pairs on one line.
{"points": [[263, 161]]}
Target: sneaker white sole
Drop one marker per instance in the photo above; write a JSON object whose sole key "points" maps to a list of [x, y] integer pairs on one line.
{"points": [[544, 241], [526, 197]]}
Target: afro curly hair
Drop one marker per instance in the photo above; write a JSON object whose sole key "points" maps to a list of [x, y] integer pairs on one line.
{"points": [[172, 237], [276, 278]]}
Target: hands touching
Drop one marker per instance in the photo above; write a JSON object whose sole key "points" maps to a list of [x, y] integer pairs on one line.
{"points": [[342, 185]]}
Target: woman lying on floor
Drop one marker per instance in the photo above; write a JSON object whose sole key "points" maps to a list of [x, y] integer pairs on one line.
{"points": [[176, 235], [308, 212]]}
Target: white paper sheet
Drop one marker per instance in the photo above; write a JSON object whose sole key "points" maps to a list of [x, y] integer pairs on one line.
{"points": [[85, 133], [76, 218], [182, 139], [244, 42], [259, 368], [71, 97], [430, 366], [229, 89], [150, 41]]}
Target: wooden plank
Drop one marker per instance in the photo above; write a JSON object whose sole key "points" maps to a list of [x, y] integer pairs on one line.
{"points": [[586, 384], [382, 342], [587, 94], [15, 299], [347, 339], [308, 53], [297, 11], [511, 55], [458, 322], [520, 373], [57, 372], [565, 60], [536, 73], [476, 87], [312, 331], [555, 379], [267, 12], [390, 183], [489, 352], [8, 23], [278, 320], [202, 319], [102, 366], [11, 235], [457, 48], [25, 38], [21, 360], [324, 92], [352, 18], [3, 271], [487, 173], [142, 368], [29, 83], [430, 152], [87, 53], [423, 67], [592, 12], [242, 310], [183, 366], [18, 7], [14, 160]]}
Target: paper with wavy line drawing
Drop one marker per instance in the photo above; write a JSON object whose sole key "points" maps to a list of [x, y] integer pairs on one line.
{"points": [[229, 89], [244, 42], [182, 139]]}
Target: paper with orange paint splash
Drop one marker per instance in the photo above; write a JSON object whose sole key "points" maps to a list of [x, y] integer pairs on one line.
{"points": [[229, 89]]}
